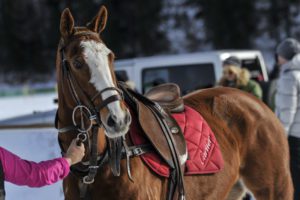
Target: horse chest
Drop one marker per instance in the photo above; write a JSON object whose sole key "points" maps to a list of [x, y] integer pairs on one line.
{"points": [[145, 185]]}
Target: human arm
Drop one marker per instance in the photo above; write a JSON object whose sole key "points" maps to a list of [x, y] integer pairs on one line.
{"points": [[32, 174]]}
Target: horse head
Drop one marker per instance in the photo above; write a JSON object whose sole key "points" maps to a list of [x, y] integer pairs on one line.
{"points": [[91, 64], [87, 86]]}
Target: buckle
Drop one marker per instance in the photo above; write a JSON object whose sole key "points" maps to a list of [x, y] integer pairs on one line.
{"points": [[93, 167], [87, 180], [81, 137], [137, 151], [158, 106], [93, 117], [160, 109], [174, 130]]}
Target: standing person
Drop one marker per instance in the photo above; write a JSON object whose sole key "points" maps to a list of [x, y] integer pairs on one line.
{"points": [[237, 77], [272, 85], [22, 172], [287, 102]]}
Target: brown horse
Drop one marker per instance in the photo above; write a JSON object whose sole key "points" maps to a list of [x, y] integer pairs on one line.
{"points": [[252, 141]]}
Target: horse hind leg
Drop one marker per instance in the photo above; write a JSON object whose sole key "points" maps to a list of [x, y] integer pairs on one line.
{"points": [[266, 169], [262, 190], [237, 192]]}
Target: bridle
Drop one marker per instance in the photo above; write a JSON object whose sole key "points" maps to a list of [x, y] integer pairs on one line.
{"points": [[86, 108], [116, 150], [73, 84]]}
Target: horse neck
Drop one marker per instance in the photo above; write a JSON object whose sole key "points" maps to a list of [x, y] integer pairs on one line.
{"points": [[64, 109]]}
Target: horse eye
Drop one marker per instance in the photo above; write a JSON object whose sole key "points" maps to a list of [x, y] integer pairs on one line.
{"points": [[77, 64]]}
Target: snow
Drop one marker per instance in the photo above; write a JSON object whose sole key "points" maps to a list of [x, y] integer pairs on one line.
{"points": [[21, 105], [31, 144], [36, 145]]}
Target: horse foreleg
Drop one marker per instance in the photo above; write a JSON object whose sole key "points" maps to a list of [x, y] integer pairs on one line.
{"points": [[70, 187]]}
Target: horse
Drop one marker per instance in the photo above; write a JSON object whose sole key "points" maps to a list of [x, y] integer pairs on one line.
{"points": [[252, 140]]}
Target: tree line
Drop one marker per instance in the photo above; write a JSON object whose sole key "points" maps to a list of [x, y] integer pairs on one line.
{"points": [[29, 31]]}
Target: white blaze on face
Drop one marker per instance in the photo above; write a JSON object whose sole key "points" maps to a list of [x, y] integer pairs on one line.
{"points": [[96, 57]]}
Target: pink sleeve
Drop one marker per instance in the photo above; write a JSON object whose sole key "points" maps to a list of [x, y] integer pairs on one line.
{"points": [[23, 172]]}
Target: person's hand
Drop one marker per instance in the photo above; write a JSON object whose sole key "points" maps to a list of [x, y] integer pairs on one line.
{"points": [[74, 153]]}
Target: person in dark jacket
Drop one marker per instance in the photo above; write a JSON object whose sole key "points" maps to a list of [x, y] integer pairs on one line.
{"points": [[237, 77], [287, 102], [272, 84]]}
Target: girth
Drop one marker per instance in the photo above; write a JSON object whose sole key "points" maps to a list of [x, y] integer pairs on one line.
{"points": [[164, 134]]}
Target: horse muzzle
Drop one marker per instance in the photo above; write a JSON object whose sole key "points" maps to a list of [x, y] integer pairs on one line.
{"points": [[116, 127]]}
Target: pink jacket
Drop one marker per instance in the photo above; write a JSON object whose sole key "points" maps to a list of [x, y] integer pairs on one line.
{"points": [[23, 172]]}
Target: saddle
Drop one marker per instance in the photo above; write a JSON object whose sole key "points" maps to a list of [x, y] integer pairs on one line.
{"points": [[167, 96], [161, 129]]}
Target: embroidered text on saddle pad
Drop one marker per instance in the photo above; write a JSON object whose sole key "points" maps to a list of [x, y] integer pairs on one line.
{"points": [[204, 154]]}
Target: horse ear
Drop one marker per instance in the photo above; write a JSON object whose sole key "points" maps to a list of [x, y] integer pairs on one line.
{"points": [[99, 21], [66, 23]]}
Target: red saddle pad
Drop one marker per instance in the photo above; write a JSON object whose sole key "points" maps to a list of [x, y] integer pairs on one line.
{"points": [[204, 155]]}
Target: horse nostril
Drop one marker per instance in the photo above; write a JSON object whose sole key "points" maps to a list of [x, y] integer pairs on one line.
{"points": [[111, 121]]}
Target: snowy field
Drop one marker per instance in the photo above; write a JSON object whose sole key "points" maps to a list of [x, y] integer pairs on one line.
{"points": [[21, 105], [31, 144], [35, 145]]}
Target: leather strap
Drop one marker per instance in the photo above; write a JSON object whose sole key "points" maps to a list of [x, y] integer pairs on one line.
{"points": [[177, 179], [93, 167], [81, 170], [64, 129], [108, 101]]}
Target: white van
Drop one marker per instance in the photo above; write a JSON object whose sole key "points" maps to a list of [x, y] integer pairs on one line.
{"points": [[190, 71]]}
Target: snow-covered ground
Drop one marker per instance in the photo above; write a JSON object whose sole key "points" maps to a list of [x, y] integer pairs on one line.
{"points": [[21, 105], [36, 145]]}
